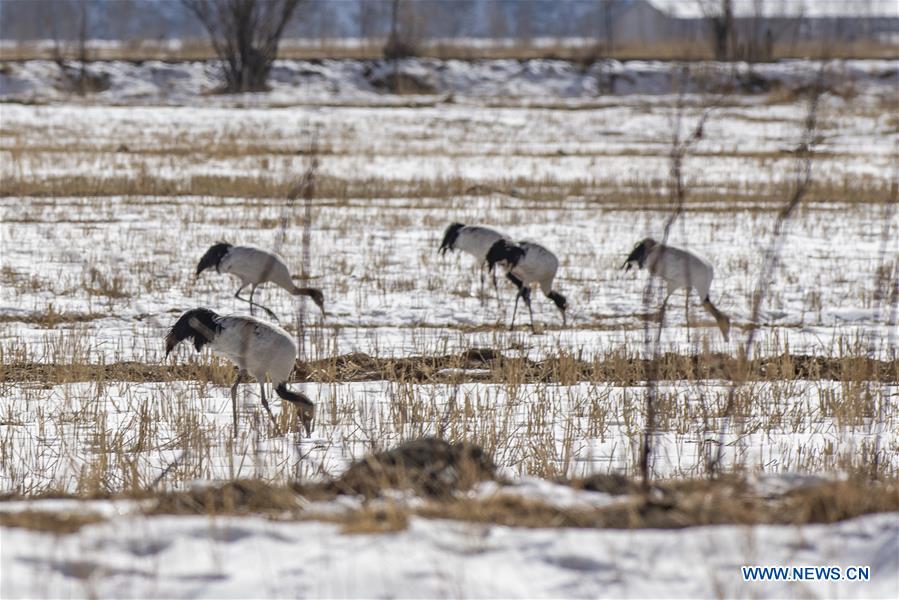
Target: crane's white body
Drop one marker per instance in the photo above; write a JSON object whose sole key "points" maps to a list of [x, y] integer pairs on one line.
{"points": [[476, 241], [527, 264], [255, 266], [538, 267], [262, 349], [680, 269]]}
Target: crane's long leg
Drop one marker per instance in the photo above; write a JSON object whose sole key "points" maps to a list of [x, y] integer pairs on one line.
{"points": [[481, 292], [250, 301], [499, 300], [687, 312], [234, 401], [662, 315], [265, 404], [514, 311], [664, 305], [520, 287], [526, 294]]}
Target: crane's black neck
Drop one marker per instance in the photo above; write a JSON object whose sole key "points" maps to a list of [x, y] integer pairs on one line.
{"points": [[213, 257], [638, 255], [449, 237], [200, 325], [504, 251]]}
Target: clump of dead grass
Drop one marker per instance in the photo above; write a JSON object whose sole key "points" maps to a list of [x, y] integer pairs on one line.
{"points": [[59, 523], [428, 466], [245, 496], [488, 366]]}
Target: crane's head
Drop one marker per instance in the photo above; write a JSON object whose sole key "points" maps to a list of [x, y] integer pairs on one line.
{"points": [[449, 237], [317, 297], [313, 294], [213, 257], [306, 416], [305, 407], [638, 254], [199, 325]]}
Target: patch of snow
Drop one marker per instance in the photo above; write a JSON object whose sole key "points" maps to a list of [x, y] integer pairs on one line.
{"points": [[241, 557]]}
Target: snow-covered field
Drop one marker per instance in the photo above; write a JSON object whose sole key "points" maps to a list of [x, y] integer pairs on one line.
{"points": [[250, 557], [106, 210]]}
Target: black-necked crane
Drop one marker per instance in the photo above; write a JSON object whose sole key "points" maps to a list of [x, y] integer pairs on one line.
{"points": [[475, 240], [255, 266], [679, 269], [527, 264], [260, 349]]}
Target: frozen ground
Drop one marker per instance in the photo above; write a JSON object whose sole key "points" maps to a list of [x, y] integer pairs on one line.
{"points": [[239, 557]]}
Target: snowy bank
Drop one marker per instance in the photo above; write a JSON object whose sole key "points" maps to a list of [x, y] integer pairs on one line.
{"points": [[242, 557], [355, 81]]}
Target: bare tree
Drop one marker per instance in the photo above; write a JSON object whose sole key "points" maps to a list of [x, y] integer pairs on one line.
{"points": [[401, 42], [608, 23], [802, 182], [719, 14], [245, 36], [682, 143], [70, 23]]}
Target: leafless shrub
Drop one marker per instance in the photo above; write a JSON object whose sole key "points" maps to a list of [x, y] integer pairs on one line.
{"points": [[401, 39], [429, 466], [681, 144], [79, 79], [245, 35], [719, 16], [801, 183]]}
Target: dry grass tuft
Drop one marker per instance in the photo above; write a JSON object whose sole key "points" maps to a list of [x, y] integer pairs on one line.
{"points": [[428, 466], [449, 49], [243, 496], [486, 365], [368, 520], [676, 505], [60, 523]]}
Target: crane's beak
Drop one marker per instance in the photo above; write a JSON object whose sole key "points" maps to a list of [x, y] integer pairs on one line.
{"points": [[308, 422]]}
